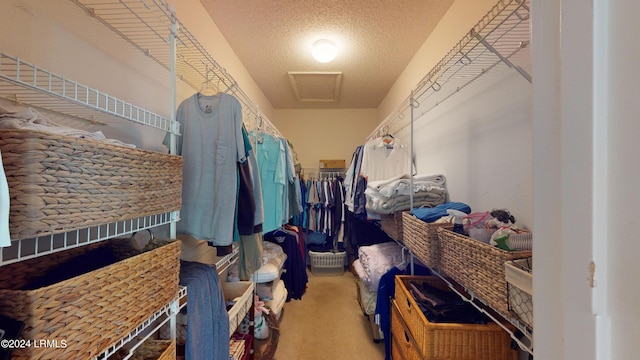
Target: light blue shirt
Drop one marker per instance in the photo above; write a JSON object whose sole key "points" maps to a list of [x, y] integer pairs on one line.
{"points": [[211, 145]]}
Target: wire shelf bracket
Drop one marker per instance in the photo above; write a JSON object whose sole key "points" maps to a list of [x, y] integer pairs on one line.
{"points": [[23, 82], [25, 249]]}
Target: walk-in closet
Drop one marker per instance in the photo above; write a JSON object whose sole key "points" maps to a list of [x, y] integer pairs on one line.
{"points": [[279, 179]]}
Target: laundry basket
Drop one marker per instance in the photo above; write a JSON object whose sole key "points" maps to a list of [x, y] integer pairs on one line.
{"points": [[327, 263]]}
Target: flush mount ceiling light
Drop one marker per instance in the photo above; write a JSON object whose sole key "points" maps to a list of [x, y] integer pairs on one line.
{"points": [[324, 50]]}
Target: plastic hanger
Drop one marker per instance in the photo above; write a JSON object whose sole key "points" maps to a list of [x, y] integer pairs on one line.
{"points": [[208, 88]]}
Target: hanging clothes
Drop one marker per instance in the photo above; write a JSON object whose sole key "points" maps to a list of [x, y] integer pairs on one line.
{"points": [[295, 275], [271, 155], [351, 179], [250, 212], [323, 212], [211, 146], [383, 159], [245, 205], [208, 331], [290, 198], [250, 257]]}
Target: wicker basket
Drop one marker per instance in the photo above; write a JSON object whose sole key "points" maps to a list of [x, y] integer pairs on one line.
{"points": [[477, 266], [156, 350], [422, 239], [439, 341], [59, 183], [92, 311], [270, 345], [392, 225]]}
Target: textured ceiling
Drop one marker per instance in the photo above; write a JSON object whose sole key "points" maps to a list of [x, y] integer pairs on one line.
{"points": [[376, 39]]}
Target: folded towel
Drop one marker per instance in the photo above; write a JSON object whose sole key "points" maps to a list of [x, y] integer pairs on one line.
{"points": [[432, 214], [402, 202]]}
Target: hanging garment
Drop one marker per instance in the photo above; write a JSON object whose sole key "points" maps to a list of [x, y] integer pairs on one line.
{"points": [[382, 160], [295, 277], [386, 291], [291, 196], [211, 145], [272, 164], [250, 258], [207, 335], [337, 211], [360, 232], [351, 177], [257, 192], [250, 213]]}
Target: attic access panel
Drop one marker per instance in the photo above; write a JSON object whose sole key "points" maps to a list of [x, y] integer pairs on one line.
{"points": [[310, 86]]}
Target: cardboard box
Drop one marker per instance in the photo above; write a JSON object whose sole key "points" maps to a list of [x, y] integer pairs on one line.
{"points": [[332, 164]]}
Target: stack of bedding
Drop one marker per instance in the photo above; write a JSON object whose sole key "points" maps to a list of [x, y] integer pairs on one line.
{"points": [[373, 262], [269, 287], [393, 195]]}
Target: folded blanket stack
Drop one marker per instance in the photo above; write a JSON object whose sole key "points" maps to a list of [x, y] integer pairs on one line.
{"points": [[376, 260], [393, 195]]}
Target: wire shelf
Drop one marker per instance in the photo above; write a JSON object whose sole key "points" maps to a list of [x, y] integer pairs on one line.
{"points": [[23, 82], [157, 320], [500, 38], [25, 249], [226, 261], [148, 24], [482, 306]]}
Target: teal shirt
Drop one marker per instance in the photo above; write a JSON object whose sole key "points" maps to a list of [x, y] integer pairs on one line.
{"points": [[271, 157]]}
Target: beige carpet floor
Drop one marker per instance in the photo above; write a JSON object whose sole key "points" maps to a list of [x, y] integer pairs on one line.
{"points": [[327, 323]]}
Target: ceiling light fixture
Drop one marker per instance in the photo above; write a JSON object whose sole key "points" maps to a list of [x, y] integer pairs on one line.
{"points": [[324, 50]]}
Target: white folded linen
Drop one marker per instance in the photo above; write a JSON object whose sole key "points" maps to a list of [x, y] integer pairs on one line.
{"points": [[30, 119], [402, 202], [378, 259]]}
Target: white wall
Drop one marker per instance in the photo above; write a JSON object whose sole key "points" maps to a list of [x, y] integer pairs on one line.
{"points": [[583, 178], [481, 141], [459, 19], [618, 243], [325, 134], [481, 138], [547, 171]]}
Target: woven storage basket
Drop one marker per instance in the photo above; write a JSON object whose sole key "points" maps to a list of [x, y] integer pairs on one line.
{"points": [[59, 183], [440, 341], [270, 345], [152, 349], [422, 239], [392, 225], [477, 266], [91, 311]]}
